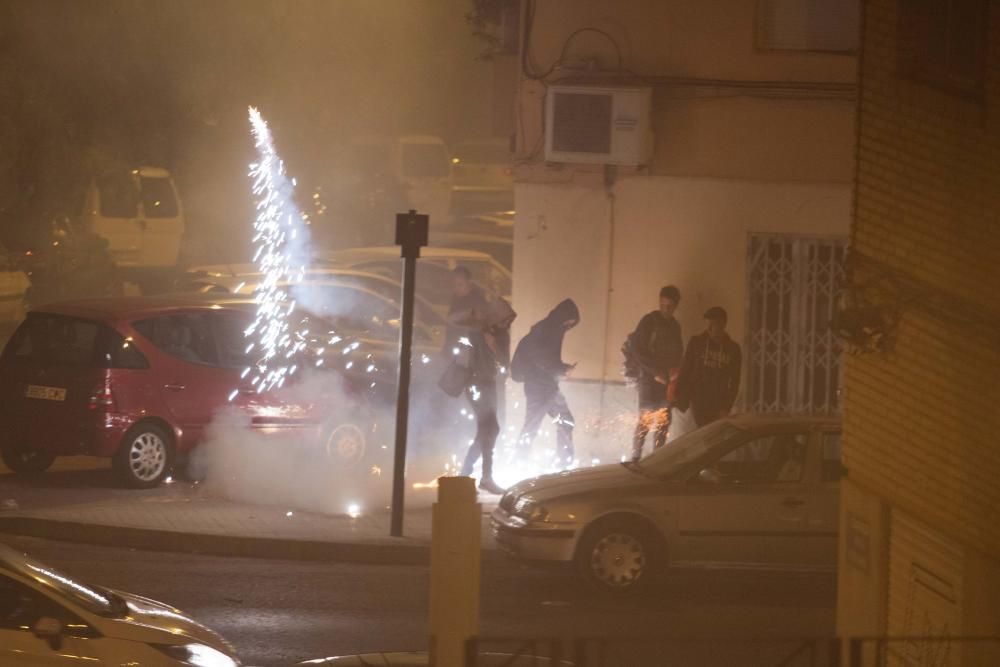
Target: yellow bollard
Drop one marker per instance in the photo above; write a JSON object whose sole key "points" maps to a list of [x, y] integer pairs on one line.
{"points": [[455, 556]]}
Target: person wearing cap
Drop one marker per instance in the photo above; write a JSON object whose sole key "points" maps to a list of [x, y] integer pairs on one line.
{"points": [[710, 374], [659, 350]]}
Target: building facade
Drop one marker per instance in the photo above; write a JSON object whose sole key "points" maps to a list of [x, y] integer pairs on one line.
{"points": [[920, 532], [743, 199]]}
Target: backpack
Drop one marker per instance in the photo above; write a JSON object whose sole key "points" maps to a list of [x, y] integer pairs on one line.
{"points": [[630, 364]]}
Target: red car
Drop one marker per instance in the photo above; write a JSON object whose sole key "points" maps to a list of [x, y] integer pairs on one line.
{"points": [[140, 379]]}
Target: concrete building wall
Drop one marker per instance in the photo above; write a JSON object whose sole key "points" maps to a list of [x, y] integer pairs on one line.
{"points": [[733, 155], [688, 231], [921, 417]]}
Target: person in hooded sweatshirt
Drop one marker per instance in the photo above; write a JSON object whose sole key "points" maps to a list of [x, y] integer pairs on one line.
{"points": [[488, 330], [538, 364], [710, 376]]}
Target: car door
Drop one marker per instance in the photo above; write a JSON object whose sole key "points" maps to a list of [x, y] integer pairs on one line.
{"points": [[824, 501], [191, 382], [749, 504], [161, 222], [112, 212], [21, 607], [267, 411]]}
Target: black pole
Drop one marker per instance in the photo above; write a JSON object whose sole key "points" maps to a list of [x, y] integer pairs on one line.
{"points": [[411, 234]]}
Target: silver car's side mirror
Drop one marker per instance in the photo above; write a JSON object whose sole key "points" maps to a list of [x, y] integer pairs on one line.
{"points": [[51, 630], [710, 476]]}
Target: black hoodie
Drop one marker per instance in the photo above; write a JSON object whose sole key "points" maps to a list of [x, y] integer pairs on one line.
{"points": [[538, 358]]}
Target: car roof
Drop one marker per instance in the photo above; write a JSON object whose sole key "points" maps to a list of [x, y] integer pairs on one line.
{"points": [[327, 276], [393, 252], [454, 235], [109, 309]]}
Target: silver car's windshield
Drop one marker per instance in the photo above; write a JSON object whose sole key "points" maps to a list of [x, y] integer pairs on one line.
{"points": [[688, 448]]}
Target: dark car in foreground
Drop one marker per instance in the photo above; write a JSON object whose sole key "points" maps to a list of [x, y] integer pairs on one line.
{"points": [[140, 380], [747, 491]]}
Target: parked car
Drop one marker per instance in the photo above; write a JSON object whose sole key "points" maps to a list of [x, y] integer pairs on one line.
{"points": [[499, 247], [139, 380], [418, 166], [321, 283], [482, 172], [139, 213], [744, 491], [50, 618], [434, 279]]}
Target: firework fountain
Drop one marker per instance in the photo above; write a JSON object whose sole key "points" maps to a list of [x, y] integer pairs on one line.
{"points": [[280, 253]]}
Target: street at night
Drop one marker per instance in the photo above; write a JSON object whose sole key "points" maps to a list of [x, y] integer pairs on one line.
{"points": [[496, 333], [277, 612]]}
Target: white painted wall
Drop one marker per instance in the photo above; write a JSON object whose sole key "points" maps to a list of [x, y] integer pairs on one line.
{"points": [[688, 231]]}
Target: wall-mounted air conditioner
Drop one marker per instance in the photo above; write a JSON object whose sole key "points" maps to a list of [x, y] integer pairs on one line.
{"points": [[598, 125]]}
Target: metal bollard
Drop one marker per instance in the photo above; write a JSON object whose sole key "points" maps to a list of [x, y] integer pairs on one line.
{"points": [[455, 571]]}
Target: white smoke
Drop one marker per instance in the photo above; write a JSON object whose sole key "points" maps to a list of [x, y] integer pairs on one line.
{"points": [[340, 466]]}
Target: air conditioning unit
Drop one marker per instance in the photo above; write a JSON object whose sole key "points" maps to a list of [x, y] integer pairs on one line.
{"points": [[592, 125]]}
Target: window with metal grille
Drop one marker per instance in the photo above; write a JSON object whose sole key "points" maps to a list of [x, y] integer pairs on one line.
{"points": [[808, 25], [943, 43]]}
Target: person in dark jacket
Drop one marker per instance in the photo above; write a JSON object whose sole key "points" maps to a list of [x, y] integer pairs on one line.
{"points": [[466, 297], [659, 351], [487, 330], [538, 364], [710, 376]]}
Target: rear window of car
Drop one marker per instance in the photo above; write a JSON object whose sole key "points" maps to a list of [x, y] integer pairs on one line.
{"points": [[185, 336], [158, 199], [60, 340]]}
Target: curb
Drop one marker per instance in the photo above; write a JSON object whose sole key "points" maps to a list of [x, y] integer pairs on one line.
{"points": [[217, 545], [147, 539]]}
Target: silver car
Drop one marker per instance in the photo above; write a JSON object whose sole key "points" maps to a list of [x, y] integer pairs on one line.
{"points": [[747, 491], [49, 618]]}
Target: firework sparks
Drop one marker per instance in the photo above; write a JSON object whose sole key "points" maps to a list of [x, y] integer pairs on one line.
{"points": [[279, 239]]}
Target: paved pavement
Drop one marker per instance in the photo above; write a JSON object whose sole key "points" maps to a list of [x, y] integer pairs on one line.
{"points": [[77, 500]]}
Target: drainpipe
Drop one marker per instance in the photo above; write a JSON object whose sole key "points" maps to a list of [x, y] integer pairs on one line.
{"points": [[610, 176]]}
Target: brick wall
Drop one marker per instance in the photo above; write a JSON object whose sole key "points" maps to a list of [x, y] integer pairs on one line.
{"points": [[922, 420]]}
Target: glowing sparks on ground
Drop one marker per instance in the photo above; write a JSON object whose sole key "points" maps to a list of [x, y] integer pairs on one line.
{"points": [[279, 240]]}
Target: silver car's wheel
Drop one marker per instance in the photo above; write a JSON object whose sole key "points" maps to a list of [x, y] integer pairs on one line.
{"points": [[619, 556], [618, 560], [144, 457], [345, 445]]}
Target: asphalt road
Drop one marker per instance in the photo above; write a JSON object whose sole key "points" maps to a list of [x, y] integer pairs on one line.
{"points": [[278, 612]]}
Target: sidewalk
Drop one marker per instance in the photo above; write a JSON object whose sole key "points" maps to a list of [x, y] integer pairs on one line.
{"points": [[78, 502]]}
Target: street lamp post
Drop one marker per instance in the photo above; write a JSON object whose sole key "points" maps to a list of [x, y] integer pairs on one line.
{"points": [[411, 235]]}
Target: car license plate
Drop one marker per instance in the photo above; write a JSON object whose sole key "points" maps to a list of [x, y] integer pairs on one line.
{"points": [[45, 393]]}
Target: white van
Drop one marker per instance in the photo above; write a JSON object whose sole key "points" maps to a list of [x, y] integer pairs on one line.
{"points": [[425, 170], [420, 164], [139, 213]]}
